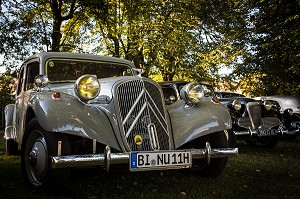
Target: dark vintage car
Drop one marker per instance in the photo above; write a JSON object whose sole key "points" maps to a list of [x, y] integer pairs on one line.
{"points": [[79, 110], [289, 114], [255, 122]]}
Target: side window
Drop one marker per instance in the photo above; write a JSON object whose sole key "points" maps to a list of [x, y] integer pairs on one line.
{"points": [[20, 81], [32, 72]]}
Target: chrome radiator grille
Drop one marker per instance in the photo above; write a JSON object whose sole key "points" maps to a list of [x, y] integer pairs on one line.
{"points": [[254, 111], [142, 116]]}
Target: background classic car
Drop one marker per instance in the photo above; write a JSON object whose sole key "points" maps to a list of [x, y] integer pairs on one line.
{"points": [[289, 114], [251, 121], [78, 110], [256, 122]]}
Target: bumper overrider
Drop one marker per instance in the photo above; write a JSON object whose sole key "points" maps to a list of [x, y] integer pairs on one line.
{"points": [[108, 158]]}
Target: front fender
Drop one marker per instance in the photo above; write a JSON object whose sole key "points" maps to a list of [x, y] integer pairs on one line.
{"points": [[202, 119], [69, 115], [10, 130]]}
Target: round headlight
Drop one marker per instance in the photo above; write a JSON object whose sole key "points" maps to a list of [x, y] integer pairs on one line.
{"points": [[289, 111], [192, 93], [268, 105], [87, 87], [41, 81], [236, 104]]}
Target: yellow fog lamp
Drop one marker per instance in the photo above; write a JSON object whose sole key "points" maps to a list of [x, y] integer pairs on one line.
{"points": [[87, 87]]}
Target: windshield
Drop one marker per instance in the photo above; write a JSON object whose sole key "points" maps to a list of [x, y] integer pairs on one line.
{"points": [[71, 70]]}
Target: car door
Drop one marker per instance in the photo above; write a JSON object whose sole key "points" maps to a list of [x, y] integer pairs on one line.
{"points": [[25, 87]]}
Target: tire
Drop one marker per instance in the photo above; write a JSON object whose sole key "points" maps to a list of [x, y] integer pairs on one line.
{"points": [[264, 142], [37, 147], [11, 147], [217, 165]]}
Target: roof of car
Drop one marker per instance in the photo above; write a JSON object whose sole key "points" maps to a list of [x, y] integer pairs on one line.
{"points": [[46, 55]]}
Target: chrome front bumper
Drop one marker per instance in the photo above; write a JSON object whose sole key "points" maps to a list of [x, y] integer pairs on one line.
{"points": [[107, 158], [269, 132], [255, 132]]}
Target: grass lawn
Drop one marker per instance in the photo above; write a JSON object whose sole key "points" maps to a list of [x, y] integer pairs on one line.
{"points": [[254, 173]]}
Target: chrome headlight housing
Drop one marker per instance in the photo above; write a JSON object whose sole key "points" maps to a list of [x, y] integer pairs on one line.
{"points": [[41, 81], [192, 93], [268, 105], [236, 104], [289, 111], [87, 87]]}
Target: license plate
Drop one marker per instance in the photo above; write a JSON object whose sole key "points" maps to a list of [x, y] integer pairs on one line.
{"points": [[268, 132], [160, 160]]}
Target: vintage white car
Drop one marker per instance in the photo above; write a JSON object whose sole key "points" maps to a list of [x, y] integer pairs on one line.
{"points": [[79, 110]]}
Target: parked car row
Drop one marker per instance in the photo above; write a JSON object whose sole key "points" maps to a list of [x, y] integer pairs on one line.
{"points": [[79, 110], [259, 121]]}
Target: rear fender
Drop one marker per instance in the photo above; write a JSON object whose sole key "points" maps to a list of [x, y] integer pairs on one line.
{"points": [[202, 119], [10, 130]]}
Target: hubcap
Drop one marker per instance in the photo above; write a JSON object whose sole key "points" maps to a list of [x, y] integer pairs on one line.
{"points": [[32, 158], [36, 161]]}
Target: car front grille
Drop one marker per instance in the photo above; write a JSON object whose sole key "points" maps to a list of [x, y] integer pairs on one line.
{"points": [[254, 112], [143, 119]]}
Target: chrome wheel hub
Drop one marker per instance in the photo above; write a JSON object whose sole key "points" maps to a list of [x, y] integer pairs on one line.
{"points": [[36, 163]]}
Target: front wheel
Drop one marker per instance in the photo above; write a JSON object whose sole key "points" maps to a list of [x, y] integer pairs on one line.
{"points": [[38, 145], [217, 165]]}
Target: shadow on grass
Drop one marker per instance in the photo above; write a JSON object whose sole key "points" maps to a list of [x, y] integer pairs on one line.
{"points": [[254, 173]]}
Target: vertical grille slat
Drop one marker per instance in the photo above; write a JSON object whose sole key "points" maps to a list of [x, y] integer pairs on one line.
{"points": [[131, 97], [254, 112]]}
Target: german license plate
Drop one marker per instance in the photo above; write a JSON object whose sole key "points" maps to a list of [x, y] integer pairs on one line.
{"points": [[268, 132], [160, 160]]}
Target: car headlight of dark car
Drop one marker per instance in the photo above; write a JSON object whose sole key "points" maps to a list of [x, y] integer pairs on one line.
{"points": [[192, 93], [236, 104], [289, 111], [268, 105], [87, 87]]}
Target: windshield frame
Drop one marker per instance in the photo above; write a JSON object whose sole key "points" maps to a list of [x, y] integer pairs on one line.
{"points": [[116, 64]]}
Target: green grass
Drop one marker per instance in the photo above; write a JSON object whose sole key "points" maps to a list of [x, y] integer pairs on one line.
{"points": [[254, 173]]}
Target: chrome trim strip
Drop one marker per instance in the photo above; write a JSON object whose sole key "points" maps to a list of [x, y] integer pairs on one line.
{"points": [[136, 119], [153, 137], [133, 106], [158, 119], [157, 109]]}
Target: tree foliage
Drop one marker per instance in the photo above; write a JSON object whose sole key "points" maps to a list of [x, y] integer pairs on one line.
{"points": [[272, 63], [169, 39]]}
